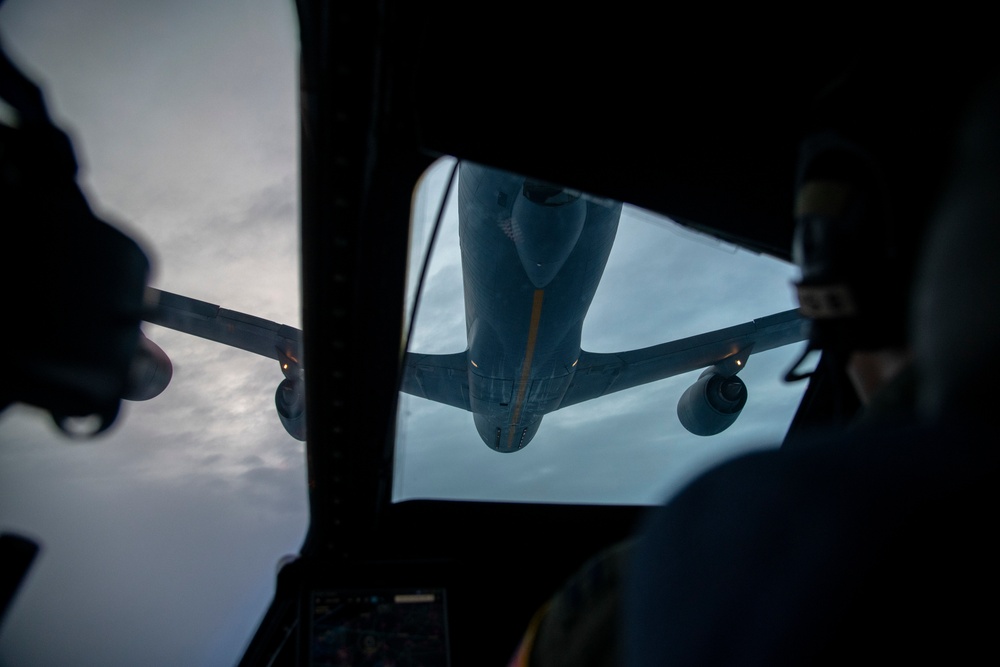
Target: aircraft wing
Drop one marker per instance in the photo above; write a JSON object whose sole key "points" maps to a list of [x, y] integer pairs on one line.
{"points": [[439, 377], [600, 374], [229, 327], [443, 378]]}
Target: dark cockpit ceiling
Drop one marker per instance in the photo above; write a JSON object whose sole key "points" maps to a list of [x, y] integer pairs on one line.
{"points": [[677, 111], [685, 118]]}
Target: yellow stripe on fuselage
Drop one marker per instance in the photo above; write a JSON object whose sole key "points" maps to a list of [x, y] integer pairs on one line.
{"points": [[529, 352]]}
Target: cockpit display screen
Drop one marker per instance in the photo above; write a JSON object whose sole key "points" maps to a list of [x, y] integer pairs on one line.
{"points": [[401, 627]]}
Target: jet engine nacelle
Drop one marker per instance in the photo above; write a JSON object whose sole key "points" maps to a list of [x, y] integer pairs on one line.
{"points": [[712, 404], [149, 372], [290, 400]]}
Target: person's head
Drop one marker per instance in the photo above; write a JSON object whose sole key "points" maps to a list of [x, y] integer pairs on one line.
{"points": [[856, 262], [870, 168]]}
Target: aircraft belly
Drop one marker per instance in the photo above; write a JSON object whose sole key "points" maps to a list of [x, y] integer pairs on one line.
{"points": [[546, 394], [508, 396], [487, 394], [498, 290], [524, 320], [532, 258]]}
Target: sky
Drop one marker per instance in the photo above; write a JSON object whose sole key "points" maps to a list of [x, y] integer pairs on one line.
{"points": [[161, 538]]}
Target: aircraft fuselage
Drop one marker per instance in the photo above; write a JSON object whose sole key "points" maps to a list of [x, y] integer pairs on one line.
{"points": [[532, 258]]}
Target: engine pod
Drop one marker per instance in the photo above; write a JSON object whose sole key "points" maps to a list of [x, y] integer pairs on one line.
{"points": [[712, 403], [290, 401]]}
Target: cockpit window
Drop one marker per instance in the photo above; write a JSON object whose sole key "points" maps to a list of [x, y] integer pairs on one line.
{"points": [[521, 345]]}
